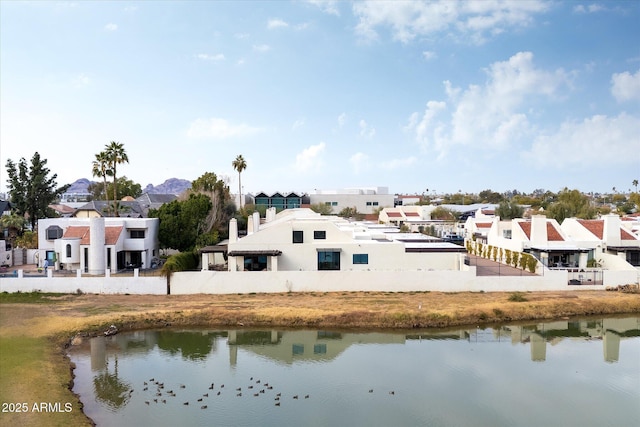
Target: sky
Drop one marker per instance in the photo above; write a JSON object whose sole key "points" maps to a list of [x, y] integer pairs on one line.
{"points": [[420, 97]]}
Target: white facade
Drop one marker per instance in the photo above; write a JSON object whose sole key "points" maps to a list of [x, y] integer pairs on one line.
{"points": [[302, 240], [365, 200], [94, 245]]}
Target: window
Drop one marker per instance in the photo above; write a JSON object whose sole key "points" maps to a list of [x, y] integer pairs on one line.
{"points": [[54, 232], [137, 234], [68, 251], [506, 234], [297, 349], [298, 236], [319, 349], [334, 203], [368, 203], [319, 234], [361, 258], [328, 260], [327, 203], [375, 203]]}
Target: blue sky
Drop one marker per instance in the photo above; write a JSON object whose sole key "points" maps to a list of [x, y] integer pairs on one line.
{"points": [[442, 95]]}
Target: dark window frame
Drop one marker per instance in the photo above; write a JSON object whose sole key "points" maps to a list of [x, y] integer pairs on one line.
{"points": [[319, 235], [297, 236]]}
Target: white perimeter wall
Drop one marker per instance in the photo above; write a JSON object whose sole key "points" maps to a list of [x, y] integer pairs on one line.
{"points": [[90, 285], [222, 282]]}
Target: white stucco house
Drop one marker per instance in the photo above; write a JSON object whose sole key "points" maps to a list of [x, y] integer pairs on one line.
{"points": [[93, 245], [302, 240], [366, 200]]}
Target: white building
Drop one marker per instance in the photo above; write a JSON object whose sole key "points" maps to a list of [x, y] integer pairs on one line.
{"points": [[302, 240], [366, 200], [94, 245]]}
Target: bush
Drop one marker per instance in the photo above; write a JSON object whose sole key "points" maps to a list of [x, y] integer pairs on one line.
{"points": [[515, 258], [517, 297], [182, 261]]}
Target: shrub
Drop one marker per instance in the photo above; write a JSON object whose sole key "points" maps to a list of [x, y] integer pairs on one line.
{"points": [[180, 262], [508, 257], [532, 263], [515, 258], [523, 260], [517, 297]]}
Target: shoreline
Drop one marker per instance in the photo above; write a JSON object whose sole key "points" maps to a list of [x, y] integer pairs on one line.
{"points": [[50, 323]]}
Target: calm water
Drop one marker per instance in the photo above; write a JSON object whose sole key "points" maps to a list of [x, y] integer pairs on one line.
{"points": [[582, 373]]}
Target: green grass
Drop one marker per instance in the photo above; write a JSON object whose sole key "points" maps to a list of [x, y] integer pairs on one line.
{"points": [[28, 298]]}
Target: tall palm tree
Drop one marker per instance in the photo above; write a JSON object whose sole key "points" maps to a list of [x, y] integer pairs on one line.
{"points": [[239, 164], [635, 184], [116, 155], [100, 170]]}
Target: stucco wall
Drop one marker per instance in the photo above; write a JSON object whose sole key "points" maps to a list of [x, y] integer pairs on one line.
{"points": [[212, 282], [90, 285]]}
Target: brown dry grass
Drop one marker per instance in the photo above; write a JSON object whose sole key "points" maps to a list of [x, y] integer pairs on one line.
{"points": [[33, 336]]}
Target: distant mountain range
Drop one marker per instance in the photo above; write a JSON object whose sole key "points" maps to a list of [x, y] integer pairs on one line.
{"points": [[170, 186]]}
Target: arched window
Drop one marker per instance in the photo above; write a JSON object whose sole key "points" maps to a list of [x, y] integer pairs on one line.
{"points": [[68, 250]]}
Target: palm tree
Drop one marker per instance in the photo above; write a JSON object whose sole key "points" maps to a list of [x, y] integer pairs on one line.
{"points": [[101, 170], [635, 184], [239, 164], [116, 155]]}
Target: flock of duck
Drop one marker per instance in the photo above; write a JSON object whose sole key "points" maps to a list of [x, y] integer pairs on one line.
{"points": [[159, 394]]}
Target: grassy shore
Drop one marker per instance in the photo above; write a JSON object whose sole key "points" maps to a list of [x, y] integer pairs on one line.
{"points": [[35, 328]]}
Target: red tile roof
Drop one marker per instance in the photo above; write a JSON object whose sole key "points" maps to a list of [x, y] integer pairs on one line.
{"points": [[394, 214], [553, 235], [82, 232], [526, 227], [412, 214], [596, 227], [483, 224]]}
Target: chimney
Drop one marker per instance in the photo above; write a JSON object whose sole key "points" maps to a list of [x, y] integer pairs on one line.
{"points": [[233, 230], [611, 232], [538, 229], [256, 222]]}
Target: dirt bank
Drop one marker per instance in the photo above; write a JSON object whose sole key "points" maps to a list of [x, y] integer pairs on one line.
{"points": [[35, 328]]}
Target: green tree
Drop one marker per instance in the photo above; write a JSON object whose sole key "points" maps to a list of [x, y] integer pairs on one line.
{"points": [[239, 164], [100, 168], [350, 213], [222, 208], [321, 208], [571, 203], [444, 214], [182, 222], [116, 155], [14, 225], [488, 196], [126, 187], [31, 189], [508, 210]]}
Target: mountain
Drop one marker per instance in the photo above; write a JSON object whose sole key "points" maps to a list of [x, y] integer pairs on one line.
{"points": [[80, 186], [170, 186]]}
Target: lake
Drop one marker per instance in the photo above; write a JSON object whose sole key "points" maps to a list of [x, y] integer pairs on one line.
{"points": [[563, 373]]}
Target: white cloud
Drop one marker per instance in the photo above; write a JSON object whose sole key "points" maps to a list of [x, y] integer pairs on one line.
{"points": [[276, 23], [399, 163], [297, 125], [597, 140], [427, 54], [359, 162], [111, 27], [492, 116], [217, 128], [310, 159], [342, 119], [242, 36], [81, 80], [366, 131], [626, 86], [207, 57], [130, 9], [472, 20], [592, 8], [327, 6], [261, 48]]}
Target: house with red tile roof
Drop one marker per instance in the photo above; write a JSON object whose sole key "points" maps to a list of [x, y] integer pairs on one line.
{"points": [[543, 238], [608, 234], [94, 245]]}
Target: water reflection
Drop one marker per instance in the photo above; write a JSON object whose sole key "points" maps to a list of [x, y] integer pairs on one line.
{"points": [[173, 377]]}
